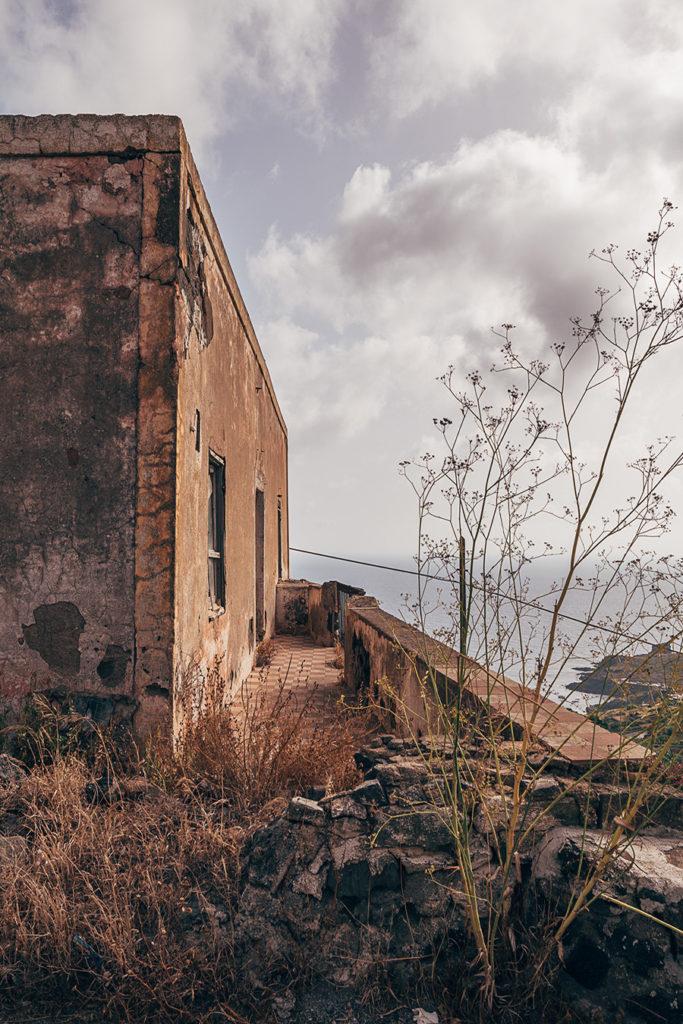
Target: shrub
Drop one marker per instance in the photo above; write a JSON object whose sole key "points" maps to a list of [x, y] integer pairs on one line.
{"points": [[269, 741]]}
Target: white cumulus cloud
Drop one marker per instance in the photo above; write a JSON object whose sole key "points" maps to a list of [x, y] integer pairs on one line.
{"points": [[206, 60]]}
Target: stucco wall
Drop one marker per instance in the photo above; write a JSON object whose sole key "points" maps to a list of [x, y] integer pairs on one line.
{"points": [[70, 230], [156, 447], [303, 608], [383, 663], [120, 318], [222, 376]]}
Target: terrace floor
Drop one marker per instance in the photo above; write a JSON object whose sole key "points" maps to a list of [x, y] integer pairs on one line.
{"points": [[302, 668], [307, 674]]}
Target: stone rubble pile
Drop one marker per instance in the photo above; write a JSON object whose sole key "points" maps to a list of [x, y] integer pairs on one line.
{"points": [[362, 888], [343, 884]]}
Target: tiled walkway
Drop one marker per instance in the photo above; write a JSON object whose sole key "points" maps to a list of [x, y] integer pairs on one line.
{"points": [[306, 672], [302, 668]]}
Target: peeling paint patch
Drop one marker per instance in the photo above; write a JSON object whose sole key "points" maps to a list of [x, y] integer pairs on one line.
{"points": [[55, 634], [195, 290], [168, 210]]}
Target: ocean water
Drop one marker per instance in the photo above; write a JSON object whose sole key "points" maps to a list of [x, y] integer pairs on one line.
{"points": [[396, 590]]}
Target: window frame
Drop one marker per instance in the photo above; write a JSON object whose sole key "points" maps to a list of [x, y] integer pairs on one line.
{"points": [[279, 538], [216, 531]]}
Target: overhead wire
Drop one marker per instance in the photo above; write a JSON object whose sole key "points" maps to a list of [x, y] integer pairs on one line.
{"points": [[478, 586]]}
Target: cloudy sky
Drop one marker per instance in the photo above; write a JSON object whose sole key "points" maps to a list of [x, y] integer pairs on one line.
{"points": [[391, 178]]}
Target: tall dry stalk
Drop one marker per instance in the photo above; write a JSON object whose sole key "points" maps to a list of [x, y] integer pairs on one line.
{"points": [[533, 474]]}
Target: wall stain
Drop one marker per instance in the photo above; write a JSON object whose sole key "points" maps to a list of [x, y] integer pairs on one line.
{"points": [[193, 284], [112, 668], [55, 635]]}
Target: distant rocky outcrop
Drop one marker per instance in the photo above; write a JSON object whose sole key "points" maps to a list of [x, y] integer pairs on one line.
{"points": [[633, 679]]}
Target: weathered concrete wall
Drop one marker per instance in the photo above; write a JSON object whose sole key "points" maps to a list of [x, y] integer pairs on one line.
{"points": [[386, 661], [418, 681], [292, 608], [304, 609], [155, 554], [223, 379], [70, 236], [121, 319]]}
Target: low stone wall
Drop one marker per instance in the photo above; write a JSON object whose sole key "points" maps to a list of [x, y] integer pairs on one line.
{"points": [[615, 960], [341, 885], [362, 886], [416, 679], [380, 648]]}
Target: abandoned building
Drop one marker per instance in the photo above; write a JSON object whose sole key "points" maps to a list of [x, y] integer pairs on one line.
{"points": [[144, 549], [143, 492]]}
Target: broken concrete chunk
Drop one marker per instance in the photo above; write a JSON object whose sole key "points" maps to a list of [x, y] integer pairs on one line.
{"points": [[543, 790], [398, 771], [349, 850], [303, 810], [424, 829], [370, 792], [308, 883], [421, 1016], [426, 863], [491, 815], [346, 807], [384, 870]]}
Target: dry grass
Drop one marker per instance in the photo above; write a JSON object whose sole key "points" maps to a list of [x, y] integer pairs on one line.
{"points": [[263, 742], [118, 895], [117, 904], [264, 653], [338, 660]]}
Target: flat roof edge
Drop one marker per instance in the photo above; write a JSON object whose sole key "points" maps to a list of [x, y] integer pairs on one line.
{"points": [[53, 134], [216, 240]]}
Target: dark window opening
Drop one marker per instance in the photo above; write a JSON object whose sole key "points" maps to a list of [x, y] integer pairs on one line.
{"points": [[279, 538], [216, 533], [260, 565], [197, 431]]}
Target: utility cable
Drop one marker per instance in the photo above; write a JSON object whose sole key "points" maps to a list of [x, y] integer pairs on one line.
{"points": [[506, 597]]}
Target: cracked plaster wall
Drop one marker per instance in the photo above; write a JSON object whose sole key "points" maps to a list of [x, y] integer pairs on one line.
{"points": [[222, 376], [69, 292], [119, 318]]}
